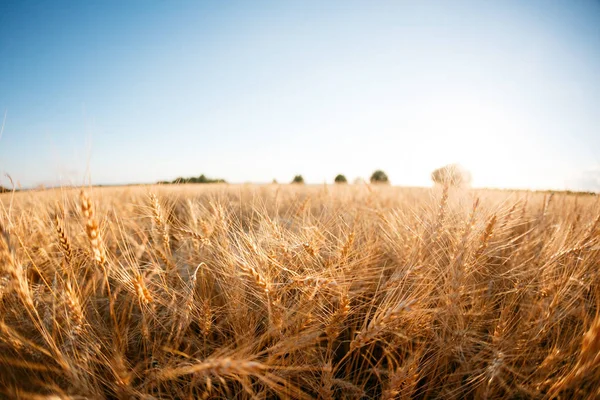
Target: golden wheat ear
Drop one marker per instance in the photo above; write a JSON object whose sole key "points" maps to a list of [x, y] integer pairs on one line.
{"points": [[161, 222], [92, 229], [63, 240]]}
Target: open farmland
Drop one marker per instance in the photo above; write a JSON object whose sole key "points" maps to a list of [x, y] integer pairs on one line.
{"points": [[293, 291]]}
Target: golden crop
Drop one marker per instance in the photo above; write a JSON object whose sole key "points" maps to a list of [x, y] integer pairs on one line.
{"points": [[223, 291]]}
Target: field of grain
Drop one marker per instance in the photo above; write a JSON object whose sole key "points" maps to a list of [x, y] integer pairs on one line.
{"points": [[292, 291]]}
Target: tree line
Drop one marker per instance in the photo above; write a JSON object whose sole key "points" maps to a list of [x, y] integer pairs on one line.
{"points": [[452, 175], [201, 179]]}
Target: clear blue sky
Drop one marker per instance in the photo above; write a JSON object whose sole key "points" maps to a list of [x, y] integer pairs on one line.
{"points": [[141, 91]]}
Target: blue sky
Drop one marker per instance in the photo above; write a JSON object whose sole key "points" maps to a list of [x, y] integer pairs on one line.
{"points": [[141, 91]]}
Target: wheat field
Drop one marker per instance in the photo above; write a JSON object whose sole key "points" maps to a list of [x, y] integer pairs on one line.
{"points": [[300, 292]]}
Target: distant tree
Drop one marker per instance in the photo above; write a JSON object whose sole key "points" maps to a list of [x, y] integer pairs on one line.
{"points": [[274, 182], [4, 190], [298, 179], [340, 179], [452, 175], [379, 177]]}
